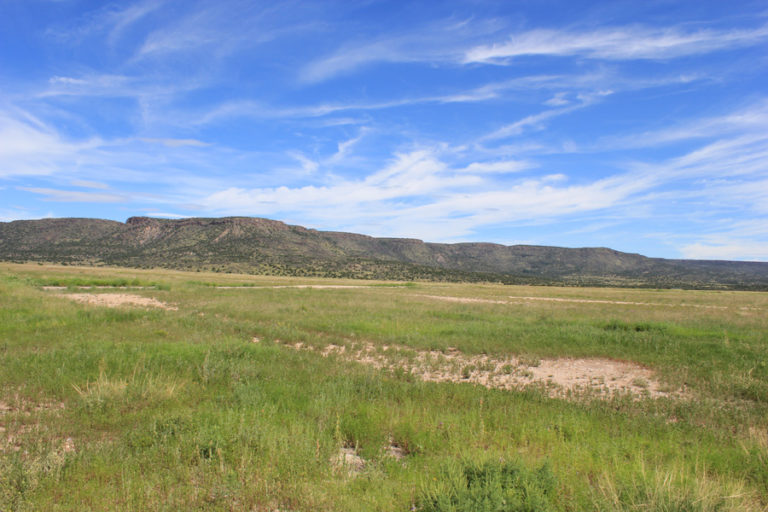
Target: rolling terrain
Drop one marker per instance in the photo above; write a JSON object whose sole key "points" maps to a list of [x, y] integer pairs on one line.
{"points": [[263, 246]]}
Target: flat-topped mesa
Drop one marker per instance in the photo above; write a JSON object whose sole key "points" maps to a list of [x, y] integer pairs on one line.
{"points": [[141, 221], [248, 244], [207, 221]]}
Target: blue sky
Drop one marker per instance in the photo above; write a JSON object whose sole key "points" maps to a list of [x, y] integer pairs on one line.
{"points": [[640, 126]]}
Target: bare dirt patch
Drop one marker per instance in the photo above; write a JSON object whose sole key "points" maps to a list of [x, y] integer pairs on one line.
{"points": [[15, 426], [394, 451], [524, 300], [114, 300], [300, 286], [58, 288], [464, 300], [620, 302], [20, 405], [348, 461], [561, 377]]}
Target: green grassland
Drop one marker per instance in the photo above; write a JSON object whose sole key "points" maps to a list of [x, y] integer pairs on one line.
{"points": [[133, 408]]}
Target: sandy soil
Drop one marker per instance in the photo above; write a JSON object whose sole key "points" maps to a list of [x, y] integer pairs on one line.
{"points": [[349, 461], [113, 300], [523, 300], [13, 434], [58, 288], [561, 377], [313, 286]]}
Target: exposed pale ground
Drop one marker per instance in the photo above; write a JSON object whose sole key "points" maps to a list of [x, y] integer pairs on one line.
{"points": [[522, 300], [348, 461], [60, 288], [113, 300], [560, 377], [315, 286], [14, 434]]}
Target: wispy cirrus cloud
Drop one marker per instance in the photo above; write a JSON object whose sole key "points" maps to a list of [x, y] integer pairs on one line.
{"points": [[89, 184], [75, 196], [33, 149], [454, 45], [498, 167], [717, 176], [93, 84], [745, 240], [751, 118], [29, 147], [617, 43], [212, 28], [725, 248], [420, 189], [485, 92], [537, 121], [442, 42], [122, 20], [175, 143], [109, 23]]}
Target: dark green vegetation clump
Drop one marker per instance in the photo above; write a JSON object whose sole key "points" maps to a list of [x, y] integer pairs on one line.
{"points": [[491, 487]]}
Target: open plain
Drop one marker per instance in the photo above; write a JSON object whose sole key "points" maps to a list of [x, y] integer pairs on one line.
{"points": [[166, 390]]}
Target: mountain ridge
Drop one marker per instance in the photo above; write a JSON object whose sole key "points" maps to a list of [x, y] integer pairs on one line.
{"points": [[259, 245]]}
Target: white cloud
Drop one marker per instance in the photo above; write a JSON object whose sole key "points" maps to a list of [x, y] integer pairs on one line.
{"points": [[345, 147], [176, 143], [183, 38], [67, 80], [220, 29], [585, 89], [750, 119], [15, 213], [418, 194], [438, 42], [163, 215], [308, 166], [122, 20], [537, 121], [621, 43], [534, 121], [504, 166], [558, 100], [89, 184], [253, 109], [739, 156], [28, 147], [74, 196], [746, 250]]}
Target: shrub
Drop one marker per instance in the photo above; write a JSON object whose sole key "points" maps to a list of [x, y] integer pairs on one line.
{"points": [[493, 486]]}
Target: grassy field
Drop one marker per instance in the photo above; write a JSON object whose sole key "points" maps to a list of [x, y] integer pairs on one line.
{"points": [[227, 398]]}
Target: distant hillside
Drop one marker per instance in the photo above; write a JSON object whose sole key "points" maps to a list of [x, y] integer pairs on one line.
{"points": [[254, 245]]}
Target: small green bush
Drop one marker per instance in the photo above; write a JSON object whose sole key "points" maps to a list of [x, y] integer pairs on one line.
{"points": [[493, 486]]}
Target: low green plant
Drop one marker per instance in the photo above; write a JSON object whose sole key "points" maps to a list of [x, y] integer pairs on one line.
{"points": [[491, 486]]}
